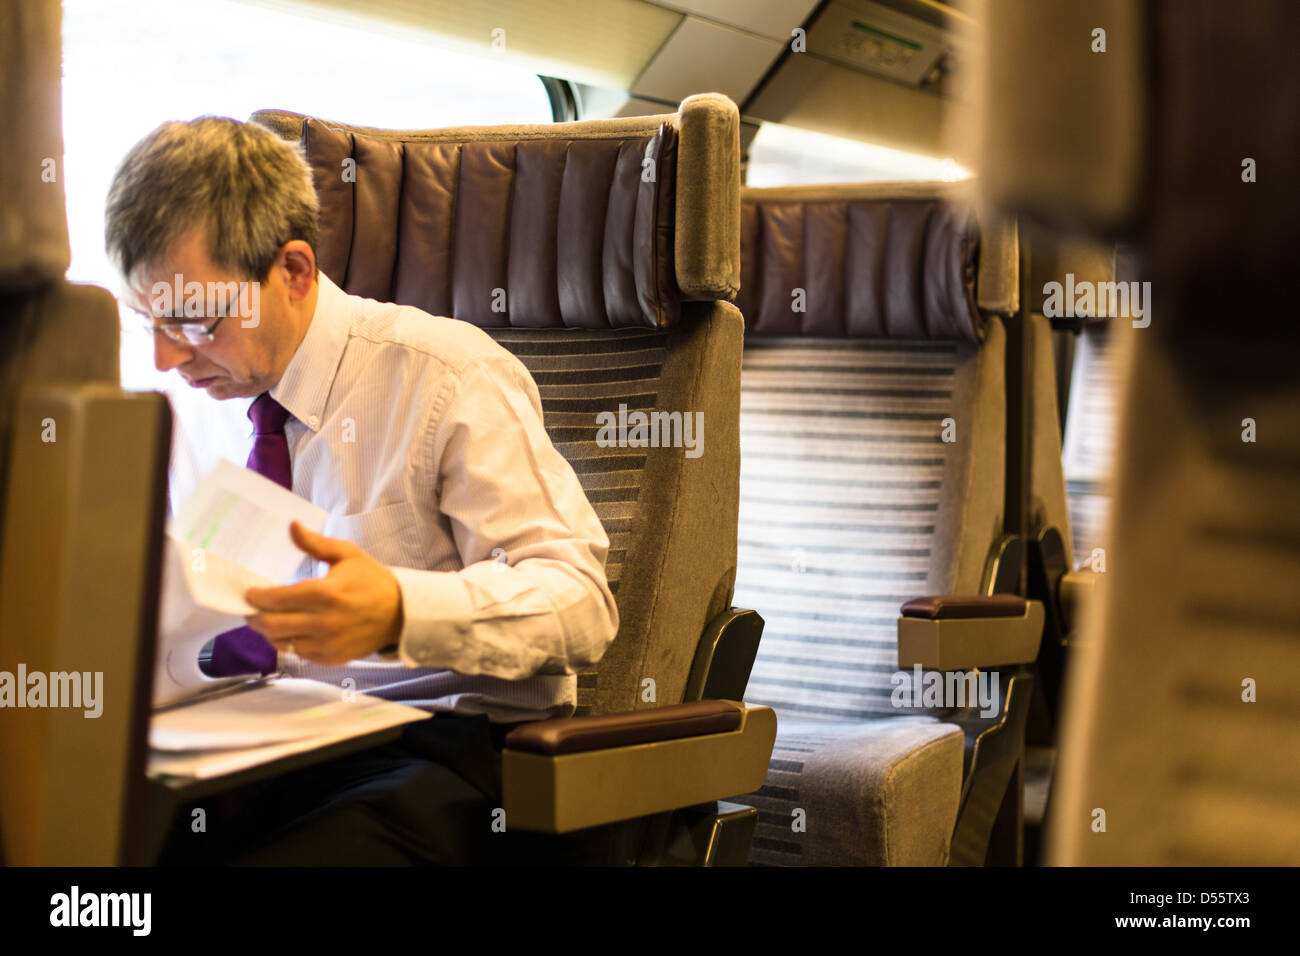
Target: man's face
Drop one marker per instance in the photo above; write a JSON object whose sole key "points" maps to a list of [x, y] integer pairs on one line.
{"points": [[250, 347]]}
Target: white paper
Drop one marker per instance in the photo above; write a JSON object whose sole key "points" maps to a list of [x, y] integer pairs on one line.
{"points": [[238, 515], [275, 712], [231, 535], [205, 765]]}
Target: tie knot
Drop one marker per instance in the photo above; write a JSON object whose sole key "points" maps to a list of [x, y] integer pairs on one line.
{"points": [[267, 415]]}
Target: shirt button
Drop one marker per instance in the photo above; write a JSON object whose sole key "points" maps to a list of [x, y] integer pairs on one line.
{"points": [[313, 421]]}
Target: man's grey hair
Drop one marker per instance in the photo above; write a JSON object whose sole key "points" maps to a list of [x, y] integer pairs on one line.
{"points": [[250, 190]]}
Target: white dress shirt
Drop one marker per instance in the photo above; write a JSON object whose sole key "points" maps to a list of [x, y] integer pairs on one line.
{"points": [[423, 439]]}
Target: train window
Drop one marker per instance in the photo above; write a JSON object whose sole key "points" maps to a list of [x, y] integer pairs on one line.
{"points": [[128, 66], [787, 156]]}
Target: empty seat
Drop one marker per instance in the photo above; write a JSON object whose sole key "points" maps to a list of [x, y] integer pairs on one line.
{"points": [[873, 434]]}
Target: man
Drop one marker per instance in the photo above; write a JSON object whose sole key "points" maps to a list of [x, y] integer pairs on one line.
{"points": [[464, 564]]}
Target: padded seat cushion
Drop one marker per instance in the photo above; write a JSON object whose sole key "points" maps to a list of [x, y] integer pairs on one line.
{"points": [[880, 792]]}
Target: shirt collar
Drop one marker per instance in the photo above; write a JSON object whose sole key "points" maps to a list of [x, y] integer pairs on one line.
{"points": [[306, 383]]}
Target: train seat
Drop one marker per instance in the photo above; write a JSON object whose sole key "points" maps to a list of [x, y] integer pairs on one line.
{"points": [[603, 254], [873, 433]]}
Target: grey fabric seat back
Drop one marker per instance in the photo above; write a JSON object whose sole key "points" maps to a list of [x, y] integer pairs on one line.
{"points": [[578, 378], [641, 493], [845, 486], [872, 432], [602, 255]]}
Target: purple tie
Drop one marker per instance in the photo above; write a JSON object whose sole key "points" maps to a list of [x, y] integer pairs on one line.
{"points": [[243, 650]]}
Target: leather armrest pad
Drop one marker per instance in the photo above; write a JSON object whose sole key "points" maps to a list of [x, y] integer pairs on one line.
{"points": [[576, 734], [947, 607]]}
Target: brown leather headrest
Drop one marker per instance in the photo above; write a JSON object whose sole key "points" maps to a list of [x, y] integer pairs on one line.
{"points": [[829, 263], [529, 233]]}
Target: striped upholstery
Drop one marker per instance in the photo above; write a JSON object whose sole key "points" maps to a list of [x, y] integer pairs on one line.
{"points": [[846, 502], [841, 477], [852, 504], [873, 447], [867, 792], [658, 506], [1088, 457], [580, 374], [780, 800]]}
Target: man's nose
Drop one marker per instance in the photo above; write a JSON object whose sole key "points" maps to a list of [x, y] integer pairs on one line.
{"points": [[168, 354]]}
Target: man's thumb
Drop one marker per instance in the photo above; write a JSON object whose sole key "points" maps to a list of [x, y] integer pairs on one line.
{"points": [[317, 545]]}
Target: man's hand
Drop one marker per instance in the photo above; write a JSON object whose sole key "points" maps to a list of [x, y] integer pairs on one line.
{"points": [[351, 612]]}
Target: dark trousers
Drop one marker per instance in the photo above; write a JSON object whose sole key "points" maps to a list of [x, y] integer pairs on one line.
{"points": [[431, 798]]}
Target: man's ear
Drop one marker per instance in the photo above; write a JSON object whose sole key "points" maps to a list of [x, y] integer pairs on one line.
{"points": [[299, 263]]}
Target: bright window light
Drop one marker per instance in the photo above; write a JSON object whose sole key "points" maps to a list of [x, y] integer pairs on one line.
{"points": [[129, 65], [787, 156]]}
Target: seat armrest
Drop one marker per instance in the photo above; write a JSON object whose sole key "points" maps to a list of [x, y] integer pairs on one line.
{"points": [[563, 792], [945, 607], [950, 633], [579, 734], [1074, 595]]}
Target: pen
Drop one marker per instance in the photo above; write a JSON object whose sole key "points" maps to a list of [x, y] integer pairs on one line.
{"points": [[222, 691]]}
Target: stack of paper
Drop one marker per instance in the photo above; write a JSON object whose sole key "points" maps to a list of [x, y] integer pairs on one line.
{"points": [[233, 534], [266, 720]]}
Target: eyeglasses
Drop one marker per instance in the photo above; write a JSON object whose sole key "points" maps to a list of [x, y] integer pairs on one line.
{"points": [[186, 333]]}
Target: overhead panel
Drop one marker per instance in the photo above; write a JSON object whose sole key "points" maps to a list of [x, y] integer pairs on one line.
{"points": [[636, 106], [812, 94], [603, 42], [696, 60], [705, 57], [864, 35], [774, 19], [874, 73]]}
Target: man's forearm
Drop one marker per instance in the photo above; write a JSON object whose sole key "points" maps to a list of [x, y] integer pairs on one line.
{"points": [[541, 616]]}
